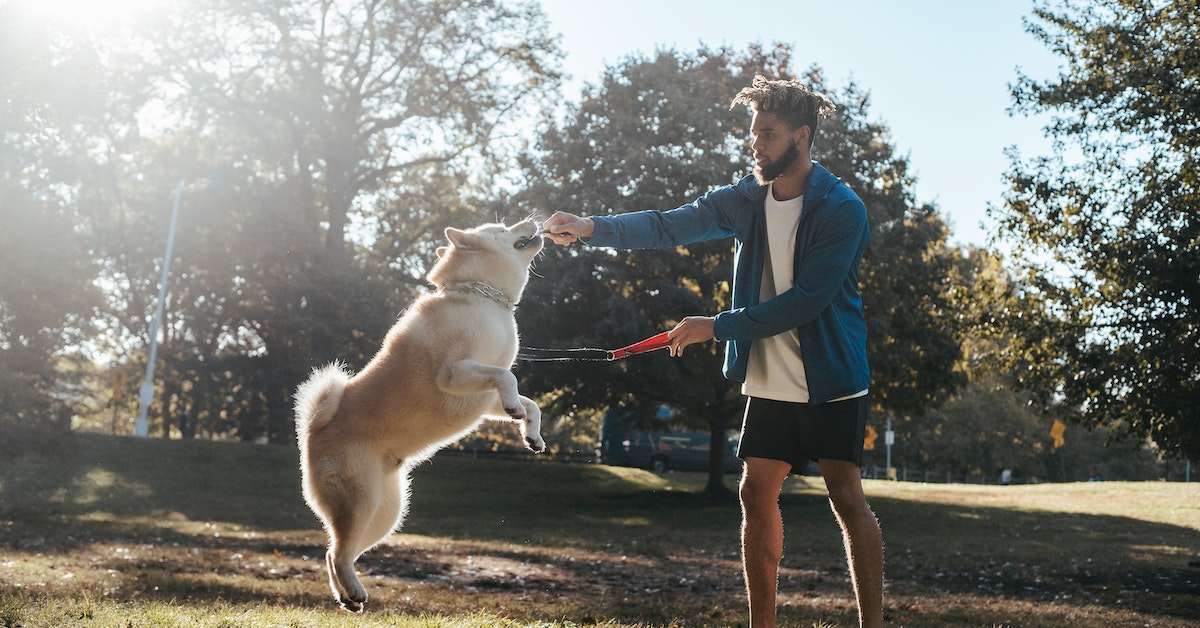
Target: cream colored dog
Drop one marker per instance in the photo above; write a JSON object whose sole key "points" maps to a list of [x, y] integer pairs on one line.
{"points": [[443, 366]]}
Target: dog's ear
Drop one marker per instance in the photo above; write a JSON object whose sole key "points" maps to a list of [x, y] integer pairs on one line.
{"points": [[460, 238], [441, 251]]}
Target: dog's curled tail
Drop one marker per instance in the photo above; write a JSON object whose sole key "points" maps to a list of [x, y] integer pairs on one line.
{"points": [[318, 398]]}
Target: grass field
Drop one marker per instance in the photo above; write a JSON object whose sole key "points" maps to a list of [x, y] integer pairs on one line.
{"points": [[106, 531]]}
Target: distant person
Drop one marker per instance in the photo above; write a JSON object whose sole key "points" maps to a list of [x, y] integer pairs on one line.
{"points": [[1006, 477], [187, 427], [795, 335], [1094, 475]]}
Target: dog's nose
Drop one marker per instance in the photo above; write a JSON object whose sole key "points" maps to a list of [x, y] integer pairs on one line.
{"points": [[524, 242]]}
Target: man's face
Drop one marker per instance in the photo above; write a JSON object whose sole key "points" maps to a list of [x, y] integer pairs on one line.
{"points": [[775, 146]]}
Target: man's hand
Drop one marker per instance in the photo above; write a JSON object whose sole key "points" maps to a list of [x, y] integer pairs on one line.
{"points": [[690, 330], [564, 228]]}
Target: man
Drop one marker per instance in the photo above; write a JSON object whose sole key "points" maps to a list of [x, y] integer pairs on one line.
{"points": [[795, 336]]}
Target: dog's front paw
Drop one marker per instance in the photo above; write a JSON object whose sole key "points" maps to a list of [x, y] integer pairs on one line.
{"points": [[536, 445], [517, 413]]}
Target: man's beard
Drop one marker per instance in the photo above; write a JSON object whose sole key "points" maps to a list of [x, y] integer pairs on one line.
{"points": [[771, 171]]}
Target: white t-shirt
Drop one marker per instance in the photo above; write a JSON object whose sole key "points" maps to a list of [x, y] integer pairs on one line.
{"points": [[776, 370]]}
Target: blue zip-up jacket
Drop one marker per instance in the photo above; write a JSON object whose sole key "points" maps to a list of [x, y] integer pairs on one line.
{"points": [[823, 304]]}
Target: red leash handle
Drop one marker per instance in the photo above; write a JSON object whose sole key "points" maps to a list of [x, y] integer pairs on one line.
{"points": [[654, 343]]}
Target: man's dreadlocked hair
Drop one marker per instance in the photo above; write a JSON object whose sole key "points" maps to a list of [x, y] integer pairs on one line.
{"points": [[790, 100]]}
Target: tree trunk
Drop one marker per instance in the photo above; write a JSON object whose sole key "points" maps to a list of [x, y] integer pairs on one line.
{"points": [[716, 458]]}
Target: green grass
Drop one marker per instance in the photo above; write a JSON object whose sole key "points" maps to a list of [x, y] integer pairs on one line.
{"points": [[104, 531]]}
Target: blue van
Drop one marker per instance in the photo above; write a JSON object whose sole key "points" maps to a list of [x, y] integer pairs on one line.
{"points": [[663, 449]]}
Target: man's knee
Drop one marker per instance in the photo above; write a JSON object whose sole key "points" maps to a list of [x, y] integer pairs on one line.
{"points": [[844, 484], [756, 496], [848, 501], [761, 483]]}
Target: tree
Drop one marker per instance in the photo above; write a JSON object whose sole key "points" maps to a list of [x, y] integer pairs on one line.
{"points": [[657, 132], [990, 424], [1104, 229], [324, 144], [46, 293], [354, 107]]}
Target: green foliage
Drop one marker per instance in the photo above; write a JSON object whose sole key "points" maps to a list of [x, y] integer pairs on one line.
{"points": [[1105, 230], [46, 292], [988, 427], [324, 147]]}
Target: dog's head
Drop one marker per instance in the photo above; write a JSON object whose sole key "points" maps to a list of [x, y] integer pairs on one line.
{"points": [[494, 254]]}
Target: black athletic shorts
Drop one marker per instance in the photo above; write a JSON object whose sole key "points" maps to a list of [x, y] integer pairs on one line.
{"points": [[799, 432]]}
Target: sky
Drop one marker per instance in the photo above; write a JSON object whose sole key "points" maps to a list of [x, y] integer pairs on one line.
{"points": [[938, 72]]}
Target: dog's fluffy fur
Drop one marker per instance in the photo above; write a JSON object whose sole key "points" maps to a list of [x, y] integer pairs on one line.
{"points": [[443, 366]]}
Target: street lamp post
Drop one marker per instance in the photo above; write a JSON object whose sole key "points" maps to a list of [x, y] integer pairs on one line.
{"points": [[141, 428]]}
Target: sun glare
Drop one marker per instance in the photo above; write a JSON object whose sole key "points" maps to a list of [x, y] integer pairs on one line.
{"points": [[83, 14]]}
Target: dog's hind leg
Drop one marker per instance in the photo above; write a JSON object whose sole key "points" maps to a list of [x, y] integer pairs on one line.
{"points": [[393, 505], [349, 518], [347, 588], [375, 514]]}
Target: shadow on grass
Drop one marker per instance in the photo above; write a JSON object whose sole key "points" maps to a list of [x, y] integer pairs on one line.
{"points": [[256, 486], [218, 521], [1117, 562]]}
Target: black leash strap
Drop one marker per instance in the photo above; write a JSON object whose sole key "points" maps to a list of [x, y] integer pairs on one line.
{"points": [[653, 343], [531, 354]]}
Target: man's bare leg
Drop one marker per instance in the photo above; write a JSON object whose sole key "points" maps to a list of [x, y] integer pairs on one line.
{"points": [[862, 536], [762, 535]]}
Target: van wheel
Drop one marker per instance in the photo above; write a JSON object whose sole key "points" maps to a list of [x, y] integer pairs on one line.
{"points": [[658, 464]]}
